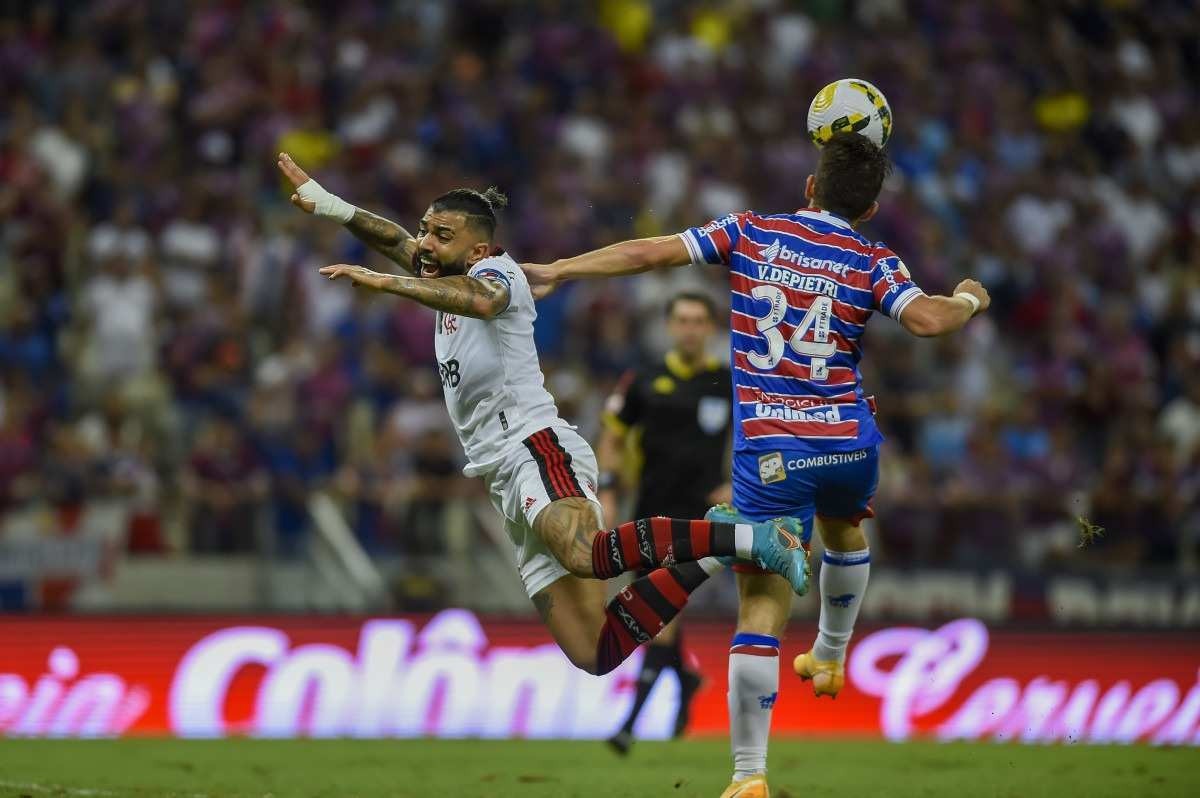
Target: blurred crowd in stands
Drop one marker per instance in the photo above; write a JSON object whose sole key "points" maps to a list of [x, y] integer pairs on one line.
{"points": [[167, 346]]}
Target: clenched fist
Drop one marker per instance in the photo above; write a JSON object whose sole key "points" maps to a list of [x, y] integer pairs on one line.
{"points": [[975, 289]]}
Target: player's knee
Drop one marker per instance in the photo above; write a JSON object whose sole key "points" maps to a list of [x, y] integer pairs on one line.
{"points": [[842, 536], [578, 565], [581, 565], [853, 540], [586, 661]]}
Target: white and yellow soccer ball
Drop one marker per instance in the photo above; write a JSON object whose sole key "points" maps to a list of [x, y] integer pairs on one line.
{"points": [[850, 105]]}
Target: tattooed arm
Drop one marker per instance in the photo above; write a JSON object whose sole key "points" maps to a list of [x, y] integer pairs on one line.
{"points": [[458, 294], [385, 237]]}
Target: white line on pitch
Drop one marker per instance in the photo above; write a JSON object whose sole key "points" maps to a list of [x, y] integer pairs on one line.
{"points": [[58, 788], [22, 785]]}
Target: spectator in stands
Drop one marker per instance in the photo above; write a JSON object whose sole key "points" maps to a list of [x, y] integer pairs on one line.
{"points": [[143, 244], [224, 482]]}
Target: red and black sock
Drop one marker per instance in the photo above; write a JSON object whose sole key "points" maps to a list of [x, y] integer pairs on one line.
{"points": [[653, 542], [641, 610]]}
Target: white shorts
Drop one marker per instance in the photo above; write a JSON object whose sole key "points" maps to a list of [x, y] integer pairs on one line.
{"points": [[553, 463]]}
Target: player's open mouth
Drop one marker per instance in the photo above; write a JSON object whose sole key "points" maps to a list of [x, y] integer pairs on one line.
{"points": [[429, 267]]}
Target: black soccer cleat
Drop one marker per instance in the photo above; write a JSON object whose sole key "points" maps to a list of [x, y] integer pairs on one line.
{"points": [[689, 683], [620, 742]]}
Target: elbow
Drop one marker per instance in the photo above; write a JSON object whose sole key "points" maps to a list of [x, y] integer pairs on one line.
{"points": [[922, 325], [641, 253], [485, 311], [649, 253], [489, 307]]}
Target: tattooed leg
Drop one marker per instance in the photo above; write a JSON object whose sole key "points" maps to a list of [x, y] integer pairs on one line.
{"points": [[567, 527], [571, 530]]}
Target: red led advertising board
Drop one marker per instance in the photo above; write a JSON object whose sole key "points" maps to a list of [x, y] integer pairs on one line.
{"points": [[456, 674]]}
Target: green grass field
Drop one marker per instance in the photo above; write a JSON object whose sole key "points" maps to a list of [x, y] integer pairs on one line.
{"points": [[845, 769]]}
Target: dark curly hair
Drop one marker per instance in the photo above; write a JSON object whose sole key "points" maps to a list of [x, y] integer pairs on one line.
{"points": [[850, 173], [478, 206]]}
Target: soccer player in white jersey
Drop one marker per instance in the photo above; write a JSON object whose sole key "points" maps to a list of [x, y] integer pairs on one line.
{"points": [[540, 473]]}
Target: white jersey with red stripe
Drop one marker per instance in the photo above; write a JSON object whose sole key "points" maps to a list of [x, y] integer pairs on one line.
{"points": [[491, 377], [803, 286]]}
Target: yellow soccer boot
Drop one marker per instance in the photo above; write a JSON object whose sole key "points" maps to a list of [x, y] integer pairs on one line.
{"points": [[750, 787], [827, 676]]}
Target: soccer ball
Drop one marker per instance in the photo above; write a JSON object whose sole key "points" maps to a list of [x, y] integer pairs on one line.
{"points": [[849, 105]]}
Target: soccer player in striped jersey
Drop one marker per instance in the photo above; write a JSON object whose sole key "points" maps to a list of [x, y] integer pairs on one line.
{"points": [[805, 440], [540, 474]]}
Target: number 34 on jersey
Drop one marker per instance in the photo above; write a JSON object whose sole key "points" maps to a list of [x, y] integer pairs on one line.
{"points": [[818, 347]]}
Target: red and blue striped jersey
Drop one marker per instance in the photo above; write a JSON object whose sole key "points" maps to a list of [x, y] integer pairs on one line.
{"points": [[804, 285]]}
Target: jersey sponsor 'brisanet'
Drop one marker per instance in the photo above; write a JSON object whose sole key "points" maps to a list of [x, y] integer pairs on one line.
{"points": [[490, 373], [803, 286]]}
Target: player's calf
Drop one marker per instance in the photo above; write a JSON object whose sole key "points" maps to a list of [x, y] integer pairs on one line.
{"points": [[644, 608], [655, 542], [597, 638], [570, 528]]}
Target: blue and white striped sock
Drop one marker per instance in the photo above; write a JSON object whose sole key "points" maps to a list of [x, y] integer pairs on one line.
{"points": [[843, 583], [753, 688]]}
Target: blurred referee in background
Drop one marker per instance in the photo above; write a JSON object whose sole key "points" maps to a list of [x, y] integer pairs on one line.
{"points": [[672, 420]]}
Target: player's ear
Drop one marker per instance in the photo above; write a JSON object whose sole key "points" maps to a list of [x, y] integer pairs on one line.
{"points": [[478, 252], [810, 188], [874, 209]]}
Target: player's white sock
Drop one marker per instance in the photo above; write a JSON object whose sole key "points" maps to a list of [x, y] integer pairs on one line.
{"points": [[843, 584], [753, 688], [743, 540]]}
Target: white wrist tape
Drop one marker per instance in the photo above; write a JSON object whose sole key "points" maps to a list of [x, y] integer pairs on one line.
{"points": [[330, 206], [974, 300]]}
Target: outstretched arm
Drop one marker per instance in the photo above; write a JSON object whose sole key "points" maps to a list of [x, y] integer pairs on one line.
{"points": [[929, 316], [627, 257], [457, 294], [385, 237]]}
